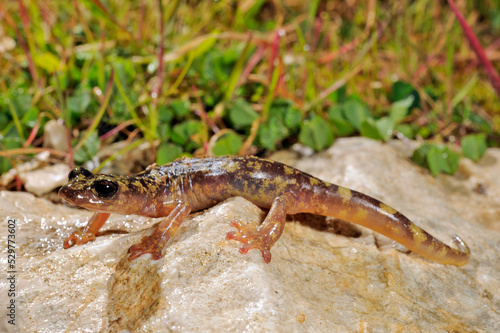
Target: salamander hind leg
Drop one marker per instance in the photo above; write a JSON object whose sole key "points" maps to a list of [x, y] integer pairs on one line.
{"points": [[265, 235], [152, 244]]}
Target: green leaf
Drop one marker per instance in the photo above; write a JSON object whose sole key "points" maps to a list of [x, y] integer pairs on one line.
{"points": [[343, 127], [401, 90], [291, 115], [4, 120], [246, 17], [18, 106], [474, 146], [168, 152], [335, 112], [31, 117], [183, 134], [453, 160], [164, 131], [399, 109], [124, 70], [420, 155], [339, 95], [215, 67], [406, 129], [369, 129], [241, 114], [282, 122], [480, 123], [380, 129], [355, 112], [21, 103], [120, 108], [88, 150], [79, 102], [385, 127], [436, 158], [47, 61], [271, 132], [76, 105], [442, 159], [229, 144], [316, 133], [204, 46], [61, 81], [180, 108], [5, 144], [165, 114], [10, 131], [434, 161], [424, 132]]}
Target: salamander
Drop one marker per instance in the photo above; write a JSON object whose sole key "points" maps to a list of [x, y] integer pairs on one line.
{"points": [[187, 185]]}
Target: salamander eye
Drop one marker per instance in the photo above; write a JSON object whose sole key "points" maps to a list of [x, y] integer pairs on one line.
{"points": [[105, 189], [79, 171]]}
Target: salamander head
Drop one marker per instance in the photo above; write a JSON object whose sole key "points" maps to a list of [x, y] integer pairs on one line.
{"points": [[103, 193]]}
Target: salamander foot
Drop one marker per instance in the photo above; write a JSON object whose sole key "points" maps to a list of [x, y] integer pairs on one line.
{"points": [[78, 238], [253, 237], [148, 244]]}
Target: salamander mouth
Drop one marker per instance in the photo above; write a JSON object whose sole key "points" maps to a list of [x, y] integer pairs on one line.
{"points": [[64, 193], [82, 197], [71, 196]]}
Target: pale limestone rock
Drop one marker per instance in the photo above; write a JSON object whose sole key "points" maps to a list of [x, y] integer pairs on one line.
{"points": [[46, 179], [316, 281], [38, 177], [56, 135]]}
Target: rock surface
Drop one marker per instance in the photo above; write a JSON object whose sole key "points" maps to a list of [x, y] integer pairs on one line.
{"points": [[316, 282]]}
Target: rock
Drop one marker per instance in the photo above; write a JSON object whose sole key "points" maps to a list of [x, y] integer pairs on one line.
{"points": [[44, 180], [56, 135], [316, 282], [37, 177]]}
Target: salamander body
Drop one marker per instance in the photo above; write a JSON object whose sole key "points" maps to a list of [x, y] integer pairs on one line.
{"points": [[187, 185]]}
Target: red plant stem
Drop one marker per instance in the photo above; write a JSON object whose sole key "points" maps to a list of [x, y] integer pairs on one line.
{"points": [[155, 94], [142, 15], [274, 51], [116, 130], [201, 112], [26, 24], [476, 46], [110, 16], [317, 30], [252, 62], [19, 183], [32, 135], [342, 50]]}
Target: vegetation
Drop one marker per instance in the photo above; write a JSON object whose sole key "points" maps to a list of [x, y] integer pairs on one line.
{"points": [[236, 77]]}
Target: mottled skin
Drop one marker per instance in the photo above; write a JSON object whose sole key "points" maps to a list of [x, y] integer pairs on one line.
{"points": [[188, 185]]}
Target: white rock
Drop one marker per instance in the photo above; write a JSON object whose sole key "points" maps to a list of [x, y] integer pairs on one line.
{"points": [[316, 281], [46, 179], [56, 135]]}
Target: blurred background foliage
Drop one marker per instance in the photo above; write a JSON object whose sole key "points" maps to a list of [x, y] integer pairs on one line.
{"points": [[251, 76]]}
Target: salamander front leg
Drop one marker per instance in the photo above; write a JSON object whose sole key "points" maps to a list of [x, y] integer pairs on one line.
{"points": [[88, 233], [265, 235], [155, 243]]}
